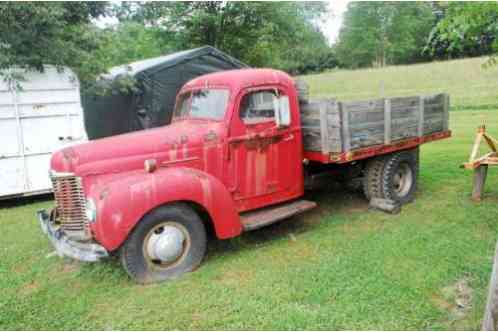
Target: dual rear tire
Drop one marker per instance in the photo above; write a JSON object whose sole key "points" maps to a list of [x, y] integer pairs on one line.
{"points": [[392, 177]]}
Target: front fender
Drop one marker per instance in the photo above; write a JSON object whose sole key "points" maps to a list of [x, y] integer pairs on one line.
{"points": [[122, 202]]}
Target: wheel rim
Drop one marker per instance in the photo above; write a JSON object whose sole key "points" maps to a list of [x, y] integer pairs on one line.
{"points": [[403, 180], [166, 244]]}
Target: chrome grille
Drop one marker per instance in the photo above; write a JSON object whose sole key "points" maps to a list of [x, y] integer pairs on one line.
{"points": [[70, 205]]}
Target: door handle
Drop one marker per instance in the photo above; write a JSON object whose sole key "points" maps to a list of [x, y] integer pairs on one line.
{"points": [[242, 138]]}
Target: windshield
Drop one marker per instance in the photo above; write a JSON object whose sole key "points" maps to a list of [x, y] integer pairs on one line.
{"points": [[206, 104]]}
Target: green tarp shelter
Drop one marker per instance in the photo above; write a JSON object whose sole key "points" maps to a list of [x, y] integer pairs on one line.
{"points": [[150, 102]]}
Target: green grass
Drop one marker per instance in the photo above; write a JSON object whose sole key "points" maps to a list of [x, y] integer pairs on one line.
{"points": [[467, 82], [340, 266]]}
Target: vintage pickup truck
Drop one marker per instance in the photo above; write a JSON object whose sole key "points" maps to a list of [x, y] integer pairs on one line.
{"points": [[241, 149]]}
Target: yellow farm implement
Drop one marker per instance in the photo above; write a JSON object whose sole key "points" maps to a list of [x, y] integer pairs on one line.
{"points": [[480, 164]]}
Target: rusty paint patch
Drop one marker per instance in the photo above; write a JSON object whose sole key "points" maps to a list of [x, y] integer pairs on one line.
{"points": [[177, 161], [261, 143], [104, 193], [210, 136]]}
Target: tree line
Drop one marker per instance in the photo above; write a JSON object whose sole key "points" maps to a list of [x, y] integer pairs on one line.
{"points": [[283, 35], [390, 33]]}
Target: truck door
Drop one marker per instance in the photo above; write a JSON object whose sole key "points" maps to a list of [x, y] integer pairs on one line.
{"points": [[264, 162]]}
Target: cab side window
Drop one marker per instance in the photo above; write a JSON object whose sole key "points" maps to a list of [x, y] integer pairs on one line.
{"points": [[258, 107]]}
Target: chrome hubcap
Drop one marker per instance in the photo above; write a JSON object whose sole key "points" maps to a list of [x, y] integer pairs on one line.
{"points": [[403, 179], [166, 243]]}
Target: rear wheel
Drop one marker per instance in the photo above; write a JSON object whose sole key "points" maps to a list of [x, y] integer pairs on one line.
{"points": [[165, 244], [399, 181], [392, 177], [372, 179]]}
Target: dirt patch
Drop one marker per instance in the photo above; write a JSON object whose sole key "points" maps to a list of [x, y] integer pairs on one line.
{"points": [[300, 248], [235, 278], [442, 303], [462, 294], [29, 288], [69, 266], [356, 229], [456, 299]]}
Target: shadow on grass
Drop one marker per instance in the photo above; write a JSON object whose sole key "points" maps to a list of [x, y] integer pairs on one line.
{"points": [[335, 198], [484, 107], [22, 201]]}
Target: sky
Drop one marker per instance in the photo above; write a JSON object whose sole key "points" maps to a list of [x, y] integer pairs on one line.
{"points": [[332, 25]]}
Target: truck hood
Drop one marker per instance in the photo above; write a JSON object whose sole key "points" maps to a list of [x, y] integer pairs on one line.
{"points": [[178, 141]]}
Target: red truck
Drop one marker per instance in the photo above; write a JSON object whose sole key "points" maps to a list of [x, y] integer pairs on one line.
{"points": [[241, 148]]}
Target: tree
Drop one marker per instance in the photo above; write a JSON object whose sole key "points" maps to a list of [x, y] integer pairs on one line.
{"points": [[258, 33], [381, 33], [281, 35], [57, 33], [466, 29], [131, 41]]}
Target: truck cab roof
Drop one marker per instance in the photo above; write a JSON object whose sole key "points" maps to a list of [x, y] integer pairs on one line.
{"points": [[239, 79]]}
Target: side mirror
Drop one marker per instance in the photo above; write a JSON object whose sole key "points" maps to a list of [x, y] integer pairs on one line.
{"points": [[282, 111]]}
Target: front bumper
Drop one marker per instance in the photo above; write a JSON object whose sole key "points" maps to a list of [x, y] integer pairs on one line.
{"points": [[82, 251]]}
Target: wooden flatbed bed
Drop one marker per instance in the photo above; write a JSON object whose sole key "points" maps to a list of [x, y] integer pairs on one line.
{"points": [[341, 132]]}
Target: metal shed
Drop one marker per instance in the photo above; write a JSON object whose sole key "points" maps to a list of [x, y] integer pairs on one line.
{"points": [[151, 100]]}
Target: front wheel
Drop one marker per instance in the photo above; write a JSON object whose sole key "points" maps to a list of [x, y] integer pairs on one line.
{"points": [[165, 244]]}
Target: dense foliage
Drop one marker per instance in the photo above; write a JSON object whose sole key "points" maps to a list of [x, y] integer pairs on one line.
{"points": [[282, 35], [380, 33], [465, 29], [257, 33], [385, 33], [58, 33]]}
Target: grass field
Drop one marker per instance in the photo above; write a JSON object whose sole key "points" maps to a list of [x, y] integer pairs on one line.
{"points": [[340, 266], [468, 83]]}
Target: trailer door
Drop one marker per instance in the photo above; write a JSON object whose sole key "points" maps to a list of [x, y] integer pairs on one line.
{"points": [[46, 116]]}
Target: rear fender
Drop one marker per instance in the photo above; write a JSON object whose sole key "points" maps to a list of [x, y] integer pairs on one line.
{"points": [[122, 202]]}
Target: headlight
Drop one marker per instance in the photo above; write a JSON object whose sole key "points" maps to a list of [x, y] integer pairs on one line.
{"points": [[91, 210]]}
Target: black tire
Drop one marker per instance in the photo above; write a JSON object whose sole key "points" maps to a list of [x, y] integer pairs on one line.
{"points": [[372, 178], [134, 255], [399, 176]]}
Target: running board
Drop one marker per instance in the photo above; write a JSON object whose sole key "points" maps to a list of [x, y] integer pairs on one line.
{"points": [[266, 216]]}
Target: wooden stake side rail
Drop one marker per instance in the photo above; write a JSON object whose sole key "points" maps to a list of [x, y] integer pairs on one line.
{"points": [[339, 132], [346, 157]]}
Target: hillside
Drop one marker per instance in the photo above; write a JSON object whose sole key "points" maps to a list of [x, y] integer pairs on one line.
{"points": [[468, 83]]}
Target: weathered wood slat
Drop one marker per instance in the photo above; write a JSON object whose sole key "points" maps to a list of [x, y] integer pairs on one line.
{"points": [[407, 112], [446, 114], [387, 121]]}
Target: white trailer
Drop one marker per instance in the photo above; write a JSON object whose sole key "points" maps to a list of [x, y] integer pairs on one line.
{"points": [[44, 115]]}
